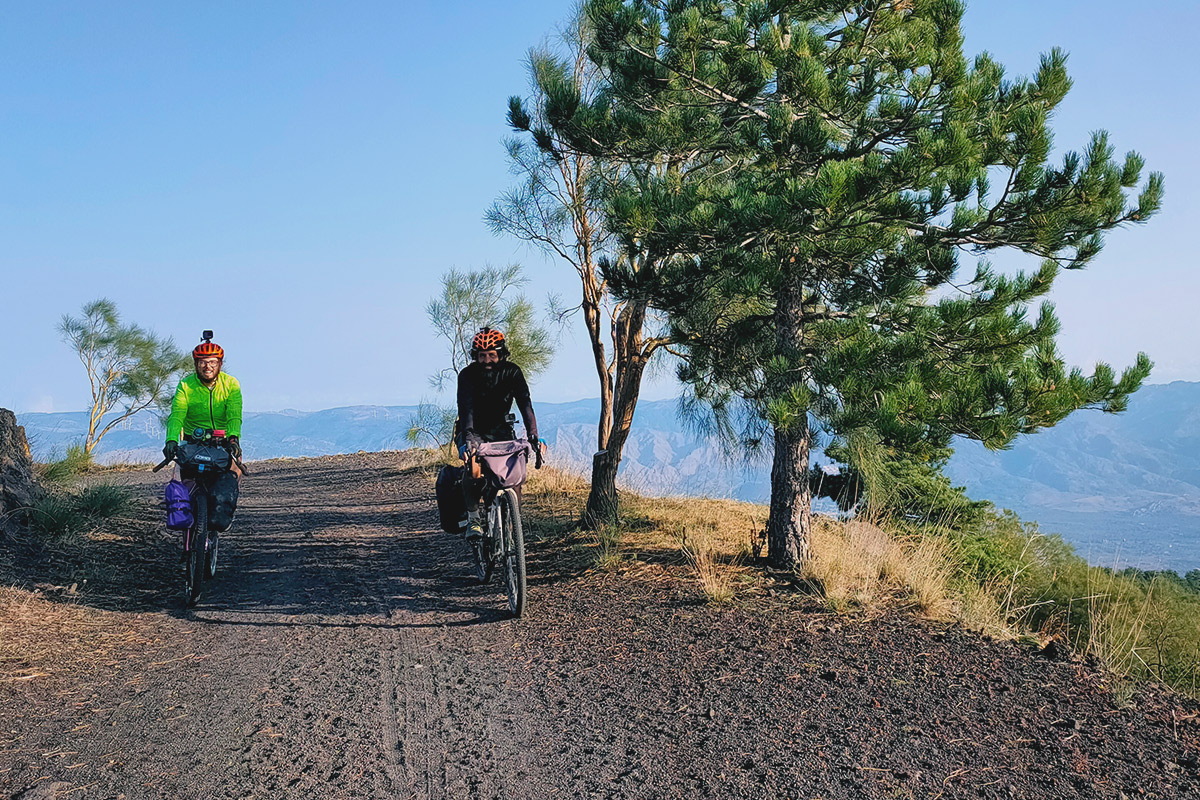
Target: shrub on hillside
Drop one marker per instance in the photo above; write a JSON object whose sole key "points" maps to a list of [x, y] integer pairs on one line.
{"points": [[76, 462], [1140, 624], [60, 514]]}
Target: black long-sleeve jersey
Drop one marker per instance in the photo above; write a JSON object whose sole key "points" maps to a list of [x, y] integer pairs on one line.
{"points": [[485, 398]]}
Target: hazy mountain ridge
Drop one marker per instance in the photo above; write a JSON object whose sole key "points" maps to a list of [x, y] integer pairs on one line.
{"points": [[1146, 460], [1122, 487]]}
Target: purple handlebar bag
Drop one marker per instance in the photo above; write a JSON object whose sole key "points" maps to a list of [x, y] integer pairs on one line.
{"points": [[506, 461]]}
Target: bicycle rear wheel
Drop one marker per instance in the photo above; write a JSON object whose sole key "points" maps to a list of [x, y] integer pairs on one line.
{"points": [[513, 544], [197, 536]]}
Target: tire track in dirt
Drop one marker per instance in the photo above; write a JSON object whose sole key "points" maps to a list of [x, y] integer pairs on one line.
{"points": [[322, 662], [443, 697], [346, 652]]}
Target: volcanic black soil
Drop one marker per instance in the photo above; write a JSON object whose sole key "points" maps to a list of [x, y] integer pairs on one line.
{"points": [[345, 652]]}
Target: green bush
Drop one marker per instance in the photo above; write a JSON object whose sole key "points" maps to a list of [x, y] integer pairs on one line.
{"points": [[56, 516], [76, 462]]}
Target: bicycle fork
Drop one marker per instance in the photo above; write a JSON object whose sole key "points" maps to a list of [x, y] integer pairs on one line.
{"points": [[495, 528]]}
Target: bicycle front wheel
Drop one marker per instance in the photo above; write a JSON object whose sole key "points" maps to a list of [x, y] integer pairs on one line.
{"points": [[197, 540], [210, 557], [481, 552], [513, 542]]}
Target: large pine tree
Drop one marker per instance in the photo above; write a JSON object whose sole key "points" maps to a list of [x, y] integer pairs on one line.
{"points": [[842, 158]]}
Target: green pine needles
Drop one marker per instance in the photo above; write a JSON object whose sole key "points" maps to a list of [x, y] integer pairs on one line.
{"points": [[809, 177]]}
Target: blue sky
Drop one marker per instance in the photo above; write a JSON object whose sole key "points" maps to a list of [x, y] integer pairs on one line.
{"points": [[297, 176]]}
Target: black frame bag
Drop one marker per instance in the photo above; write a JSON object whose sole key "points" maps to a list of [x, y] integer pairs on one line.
{"points": [[451, 505]]}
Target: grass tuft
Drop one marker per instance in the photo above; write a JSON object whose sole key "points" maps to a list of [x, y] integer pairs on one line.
{"points": [[56, 515], [102, 501], [715, 579], [76, 462], [608, 555]]}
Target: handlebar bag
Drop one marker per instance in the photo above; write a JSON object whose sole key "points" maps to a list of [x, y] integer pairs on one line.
{"points": [[179, 506], [206, 456], [506, 461]]}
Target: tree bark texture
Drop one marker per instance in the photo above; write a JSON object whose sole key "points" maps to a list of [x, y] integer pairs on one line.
{"points": [[592, 319], [791, 504], [790, 517], [629, 363]]}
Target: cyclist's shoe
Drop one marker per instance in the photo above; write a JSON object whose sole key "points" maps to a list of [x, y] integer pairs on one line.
{"points": [[474, 527]]}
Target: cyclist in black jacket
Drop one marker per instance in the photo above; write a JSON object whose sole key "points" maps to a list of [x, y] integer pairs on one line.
{"points": [[487, 388]]}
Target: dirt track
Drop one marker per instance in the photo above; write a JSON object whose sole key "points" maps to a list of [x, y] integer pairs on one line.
{"points": [[344, 652]]}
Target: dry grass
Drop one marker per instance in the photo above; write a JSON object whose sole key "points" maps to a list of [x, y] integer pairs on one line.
{"points": [[854, 564], [608, 555], [1117, 624], [858, 564], [709, 538], [63, 598], [45, 635], [716, 580], [980, 609]]}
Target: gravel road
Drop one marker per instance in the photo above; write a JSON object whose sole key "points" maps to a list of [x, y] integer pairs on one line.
{"points": [[344, 651]]}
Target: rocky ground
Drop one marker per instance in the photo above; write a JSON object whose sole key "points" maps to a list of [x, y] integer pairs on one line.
{"points": [[345, 652]]}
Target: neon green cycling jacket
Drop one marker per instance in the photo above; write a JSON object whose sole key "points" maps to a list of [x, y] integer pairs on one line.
{"points": [[197, 406]]}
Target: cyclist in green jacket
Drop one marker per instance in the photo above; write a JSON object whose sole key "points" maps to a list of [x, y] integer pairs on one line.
{"points": [[210, 400]]}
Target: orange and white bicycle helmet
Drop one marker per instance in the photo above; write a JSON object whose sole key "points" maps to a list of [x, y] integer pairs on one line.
{"points": [[489, 339]]}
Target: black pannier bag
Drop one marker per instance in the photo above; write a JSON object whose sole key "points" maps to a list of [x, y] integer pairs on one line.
{"points": [[452, 509], [224, 496]]}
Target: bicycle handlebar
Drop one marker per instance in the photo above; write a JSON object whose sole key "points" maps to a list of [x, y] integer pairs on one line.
{"points": [[241, 467]]}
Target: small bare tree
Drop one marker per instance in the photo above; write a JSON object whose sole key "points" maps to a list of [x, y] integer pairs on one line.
{"points": [[129, 368], [470, 300], [558, 205], [474, 298]]}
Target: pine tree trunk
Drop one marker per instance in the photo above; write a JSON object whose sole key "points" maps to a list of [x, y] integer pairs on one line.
{"points": [[602, 504], [629, 364], [591, 315], [791, 498], [791, 502]]}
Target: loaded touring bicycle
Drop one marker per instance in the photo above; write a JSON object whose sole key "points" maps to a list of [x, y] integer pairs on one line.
{"points": [[196, 503], [502, 547]]}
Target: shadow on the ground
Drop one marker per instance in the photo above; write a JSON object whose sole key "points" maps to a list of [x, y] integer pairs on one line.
{"points": [[340, 542]]}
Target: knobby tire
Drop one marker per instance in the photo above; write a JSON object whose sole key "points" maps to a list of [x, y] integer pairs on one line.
{"points": [[483, 559], [513, 544], [197, 550], [210, 556]]}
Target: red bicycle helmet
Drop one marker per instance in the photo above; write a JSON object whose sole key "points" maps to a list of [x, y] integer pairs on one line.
{"points": [[208, 348], [488, 339]]}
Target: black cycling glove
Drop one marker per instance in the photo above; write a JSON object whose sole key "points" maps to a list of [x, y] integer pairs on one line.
{"points": [[170, 449], [235, 448]]}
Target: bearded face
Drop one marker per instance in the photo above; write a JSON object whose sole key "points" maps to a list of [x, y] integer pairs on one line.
{"points": [[207, 369], [488, 359]]}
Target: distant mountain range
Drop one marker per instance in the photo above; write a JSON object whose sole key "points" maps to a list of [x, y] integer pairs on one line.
{"points": [[1125, 489]]}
